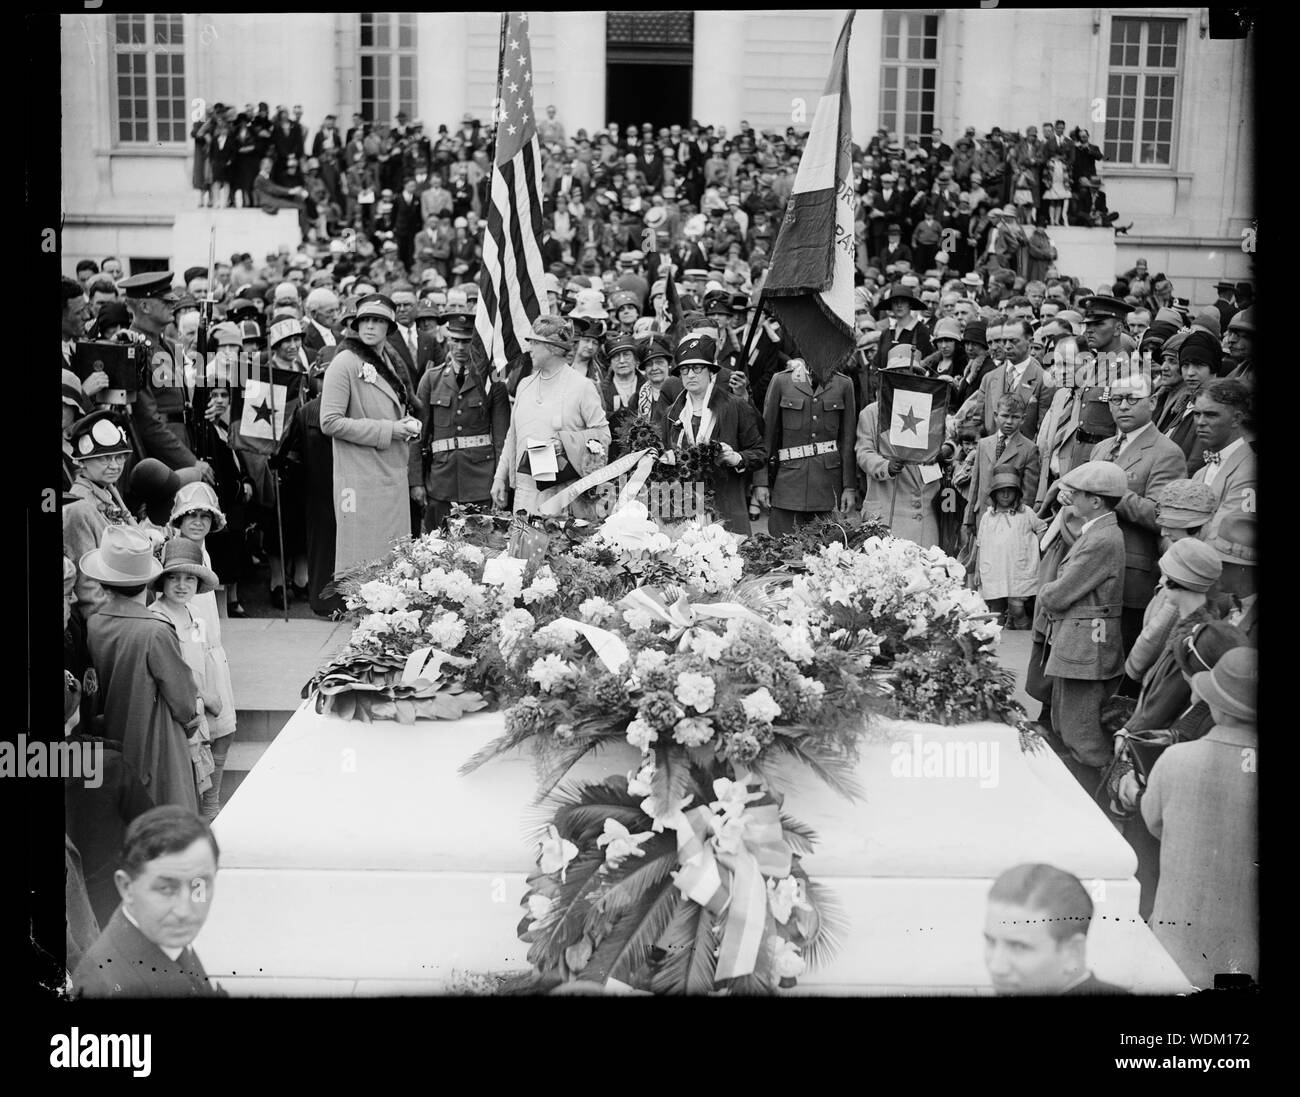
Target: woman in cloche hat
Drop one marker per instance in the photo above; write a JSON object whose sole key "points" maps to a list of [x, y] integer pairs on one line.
{"points": [[369, 412]]}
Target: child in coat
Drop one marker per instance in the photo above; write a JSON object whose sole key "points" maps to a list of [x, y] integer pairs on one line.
{"points": [[196, 513], [1007, 549]]}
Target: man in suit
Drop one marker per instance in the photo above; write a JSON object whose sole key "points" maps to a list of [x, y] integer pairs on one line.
{"points": [[168, 873], [566, 188], [322, 319], [651, 165], [1225, 303], [1083, 606], [404, 338], [1020, 375], [1036, 934], [890, 204], [1149, 461], [1008, 448], [1222, 409]]}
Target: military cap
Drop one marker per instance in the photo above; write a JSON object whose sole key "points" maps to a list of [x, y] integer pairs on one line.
{"points": [[553, 331], [240, 305], [427, 310], [459, 323], [619, 298], [151, 284], [98, 435], [696, 349], [1243, 320], [1098, 308], [1185, 504], [1097, 478], [717, 301], [621, 341], [188, 301]]}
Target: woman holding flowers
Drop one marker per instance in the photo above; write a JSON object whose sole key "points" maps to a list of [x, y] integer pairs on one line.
{"points": [[705, 413]]}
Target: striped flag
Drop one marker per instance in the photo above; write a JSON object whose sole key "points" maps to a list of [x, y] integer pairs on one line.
{"points": [[912, 414], [512, 286], [810, 280]]}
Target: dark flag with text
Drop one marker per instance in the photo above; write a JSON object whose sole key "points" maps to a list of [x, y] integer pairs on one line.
{"points": [[912, 412], [809, 283]]}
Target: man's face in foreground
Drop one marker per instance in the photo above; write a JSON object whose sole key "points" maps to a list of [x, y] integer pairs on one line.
{"points": [[1021, 955]]}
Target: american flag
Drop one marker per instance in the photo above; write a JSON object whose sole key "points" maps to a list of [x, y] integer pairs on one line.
{"points": [[512, 286]]}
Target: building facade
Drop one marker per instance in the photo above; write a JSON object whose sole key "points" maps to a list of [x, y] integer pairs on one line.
{"points": [[1170, 106]]}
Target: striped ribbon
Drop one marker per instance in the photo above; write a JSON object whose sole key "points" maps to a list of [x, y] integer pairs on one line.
{"points": [[554, 500], [731, 884]]}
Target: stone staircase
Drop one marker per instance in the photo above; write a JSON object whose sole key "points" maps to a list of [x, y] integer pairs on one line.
{"points": [[270, 660]]}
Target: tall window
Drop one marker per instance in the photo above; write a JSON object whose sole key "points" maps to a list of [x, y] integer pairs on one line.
{"points": [[909, 73], [1142, 90], [387, 65], [149, 65]]}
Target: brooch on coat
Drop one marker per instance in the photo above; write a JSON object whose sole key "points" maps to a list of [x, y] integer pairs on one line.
{"points": [[369, 374]]}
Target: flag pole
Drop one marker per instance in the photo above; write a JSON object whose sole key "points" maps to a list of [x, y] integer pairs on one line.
{"points": [[285, 563]]}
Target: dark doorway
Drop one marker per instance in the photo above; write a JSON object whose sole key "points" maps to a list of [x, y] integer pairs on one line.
{"points": [[656, 93]]}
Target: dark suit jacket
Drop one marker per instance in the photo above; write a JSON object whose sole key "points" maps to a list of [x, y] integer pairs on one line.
{"points": [[312, 340], [1093, 985], [402, 353], [124, 963], [1150, 461], [741, 431], [1083, 604]]}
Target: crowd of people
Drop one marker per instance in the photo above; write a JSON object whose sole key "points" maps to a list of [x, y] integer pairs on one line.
{"points": [[1096, 474]]}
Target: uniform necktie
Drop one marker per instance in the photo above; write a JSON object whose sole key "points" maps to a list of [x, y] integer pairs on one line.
{"points": [[1000, 447]]}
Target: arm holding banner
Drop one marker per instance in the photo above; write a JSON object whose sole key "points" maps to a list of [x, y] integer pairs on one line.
{"points": [[869, 459]]}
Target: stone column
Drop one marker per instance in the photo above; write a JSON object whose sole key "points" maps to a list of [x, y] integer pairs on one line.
{"points": [[718, 77], [443, 71], [579, 91]]}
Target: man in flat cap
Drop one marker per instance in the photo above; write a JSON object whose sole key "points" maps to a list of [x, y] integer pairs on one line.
{"points": [[1083, 605], [158, 413]]}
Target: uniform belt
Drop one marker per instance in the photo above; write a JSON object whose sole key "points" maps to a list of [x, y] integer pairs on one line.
{"points": [[438, 445], [813, 449], [1114, 609]]}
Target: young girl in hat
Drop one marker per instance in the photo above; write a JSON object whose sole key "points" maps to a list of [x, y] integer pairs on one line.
{"points": [[195, 513], [1007, 544], [99, 451], [184, 576]]}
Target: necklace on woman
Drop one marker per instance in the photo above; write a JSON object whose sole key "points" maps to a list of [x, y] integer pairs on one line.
{"points": [[543, 377]]}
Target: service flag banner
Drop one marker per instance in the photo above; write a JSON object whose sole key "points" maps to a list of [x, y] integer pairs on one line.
{"points": [[912, 414], [263, 416], [512, 283], [810, 279]]}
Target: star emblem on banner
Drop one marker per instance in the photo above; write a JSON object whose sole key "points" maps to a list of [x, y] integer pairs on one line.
{"points": [[261, 411], [910, 421]]}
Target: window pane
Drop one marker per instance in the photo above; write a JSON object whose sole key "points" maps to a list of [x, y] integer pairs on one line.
{"points": [[928, 78], [382, 67], [367, 65], [406, 30], [367, 29], [122, 28], [914, 47], [892, 20], [406, 67], [382, 32], [891, 47]]}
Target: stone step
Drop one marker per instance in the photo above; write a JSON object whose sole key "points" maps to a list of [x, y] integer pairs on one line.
{"points": [[270, 660]]}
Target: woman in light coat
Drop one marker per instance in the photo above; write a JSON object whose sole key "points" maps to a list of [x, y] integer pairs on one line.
{"points": [[372, 418]]}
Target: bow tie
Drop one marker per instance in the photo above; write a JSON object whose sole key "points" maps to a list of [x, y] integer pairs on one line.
{"points": [[1211, 457]]}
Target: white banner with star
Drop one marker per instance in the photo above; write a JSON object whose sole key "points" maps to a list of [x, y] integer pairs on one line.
{"points": [[911, 412], [911, 419], [263, 411]]}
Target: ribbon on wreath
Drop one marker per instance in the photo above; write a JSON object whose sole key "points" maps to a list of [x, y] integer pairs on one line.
{"points": [[724, 859], [553, 500], [683, 615]]}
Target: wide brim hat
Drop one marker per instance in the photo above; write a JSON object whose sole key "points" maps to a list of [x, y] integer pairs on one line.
{"points": [[1235, 539], [98, 435], [124, 559], [655, 216], [182, 556], [197, 497], [1226, 285], [157, 485], [553, 331], [1230, 687], [590, 305]]}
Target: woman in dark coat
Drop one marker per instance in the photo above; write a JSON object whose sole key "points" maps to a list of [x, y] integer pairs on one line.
{"points": [[705, 411], [311, 451]]}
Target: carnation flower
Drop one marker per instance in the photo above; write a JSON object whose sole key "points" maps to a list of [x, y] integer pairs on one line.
{"points": [[693, 731], [374, 624], [695, 690], [558, 633], [564, 732], [550, 672], [796, 642], [595, 610], [638, 619], [649, 659], [707, 644], [630, 530], [640, 734], [741, 747], [405, 620], [759, 705], [518, 621], [542, 586], [658, 710], [471, 554], [506, 572], [446, 630], [381, 597]]}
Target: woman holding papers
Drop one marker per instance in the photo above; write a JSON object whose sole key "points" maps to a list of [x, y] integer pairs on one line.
{"points": [[558, 427]]}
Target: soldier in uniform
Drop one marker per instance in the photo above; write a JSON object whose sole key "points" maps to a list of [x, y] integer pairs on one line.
{"points": [[810, 434], [465, 423], [158, 414]]}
